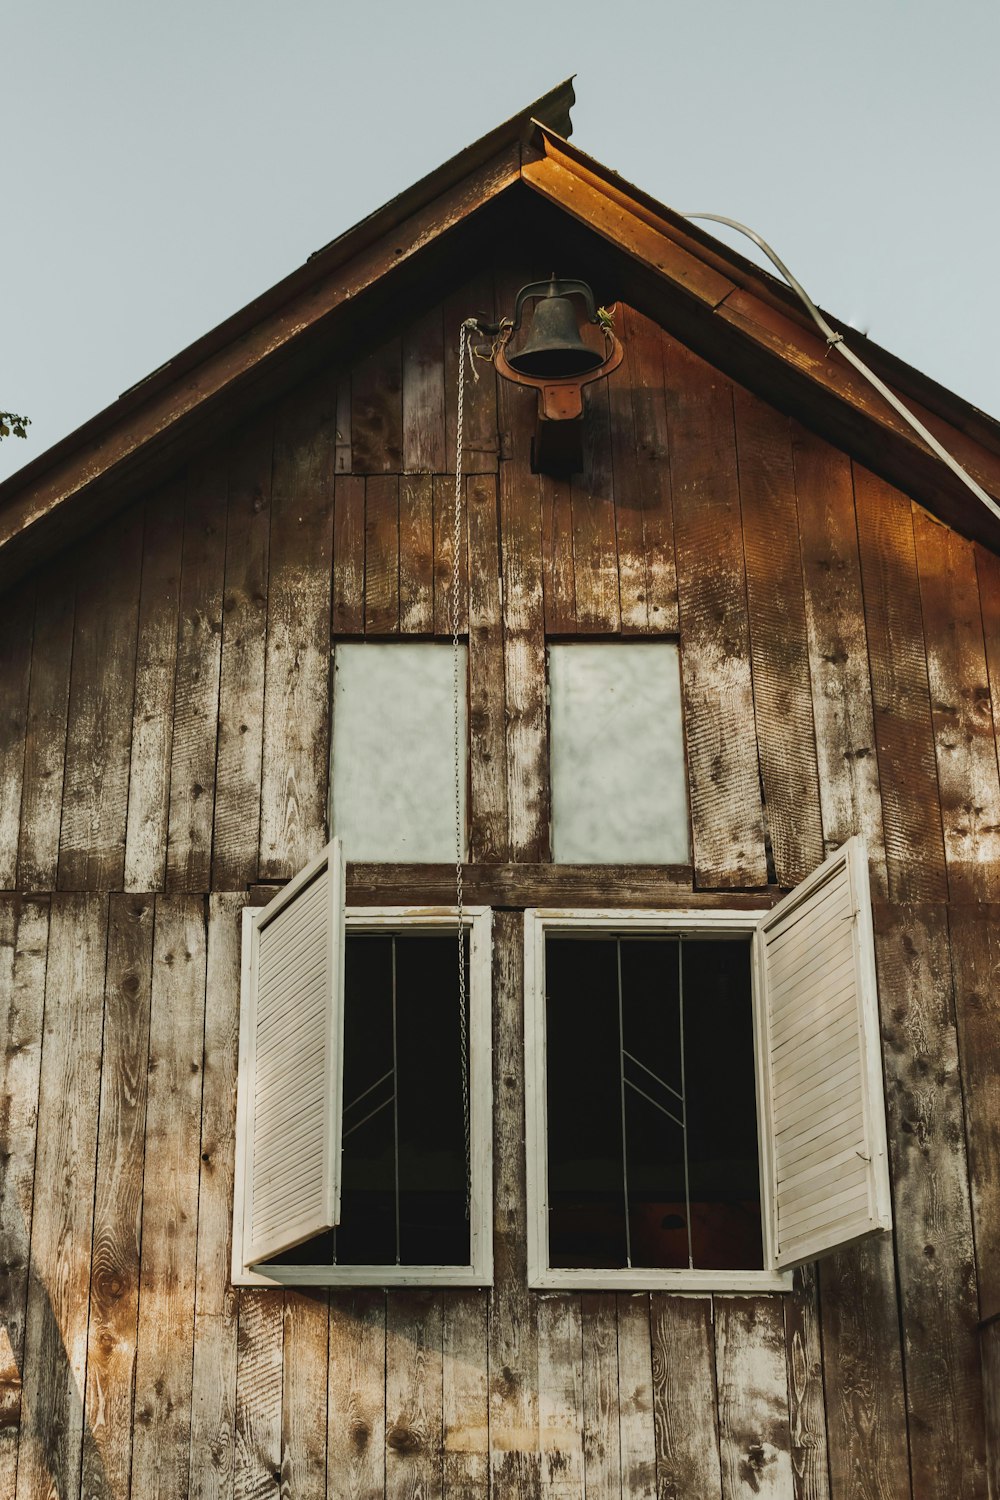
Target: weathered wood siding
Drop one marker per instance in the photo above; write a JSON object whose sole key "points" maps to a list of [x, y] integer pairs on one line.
{"points": [[164, 739]]}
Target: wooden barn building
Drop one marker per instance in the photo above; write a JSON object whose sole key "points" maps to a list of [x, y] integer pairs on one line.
{"points": [[691, 1188]]}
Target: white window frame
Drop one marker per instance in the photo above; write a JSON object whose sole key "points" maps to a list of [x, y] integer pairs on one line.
{"points": [[704, 924], [478, 922]]}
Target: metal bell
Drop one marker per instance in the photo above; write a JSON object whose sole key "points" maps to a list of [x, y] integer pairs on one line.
{"points": [[554, 349]]}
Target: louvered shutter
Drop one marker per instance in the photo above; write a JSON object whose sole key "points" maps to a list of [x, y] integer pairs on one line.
{"points": [[824, 1110], [293, 1046]]}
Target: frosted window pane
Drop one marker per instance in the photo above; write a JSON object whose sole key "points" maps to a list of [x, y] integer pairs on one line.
{"points": [[619, 791], [393, 779]]}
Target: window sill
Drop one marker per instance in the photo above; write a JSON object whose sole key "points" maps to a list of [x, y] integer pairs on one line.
{"points": [[380, 1276], [693, 1283]]}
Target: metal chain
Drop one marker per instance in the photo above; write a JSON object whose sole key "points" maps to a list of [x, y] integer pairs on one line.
{"points": [[464, 348]]}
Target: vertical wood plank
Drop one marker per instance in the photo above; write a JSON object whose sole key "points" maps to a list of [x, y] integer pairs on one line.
{"points": [[303, 1399], [356, 1396], [480, 448], [99, 734], [377, 411], [806, 1404], [413, 1396], [258, 1395], [601, 1427], [23, 949], [633, 566], [635, 1386], [114, 1276], [862, 1362], [164, 1359], [685, 1402], [45, 744], [595, 548], [196, 693], [423, 395], [213, 1380], [560, 1395], [297, 667], [779, 658], [960, 710], [416, 555], [911, 808], [649, 412], [465, 1423], [236, 832], [990, 1348], [558, 585], [153, 708], [935, 1256], [349, 556], [444, 558], [753, 1398], [515, 1463], [342, 452], [382, 555], [838, 651], [16, 628], [55, 1343], [726, 817], [487, 754]]}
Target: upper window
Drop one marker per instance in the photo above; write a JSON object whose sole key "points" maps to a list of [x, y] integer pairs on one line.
{"points": [[364, 1093], [392, 785], [704, 1101], [619, 789]]}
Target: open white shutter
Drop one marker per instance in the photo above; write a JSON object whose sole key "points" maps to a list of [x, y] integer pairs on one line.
{"points": [[293, 1024], [824, 1132]]}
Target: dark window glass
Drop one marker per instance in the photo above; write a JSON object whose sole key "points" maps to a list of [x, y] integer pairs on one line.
{"points": [[651, 1104], [404, 1182]]}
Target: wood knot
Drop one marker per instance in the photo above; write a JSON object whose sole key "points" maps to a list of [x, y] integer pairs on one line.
{"points": [[403, 1439], [360, 1432]]}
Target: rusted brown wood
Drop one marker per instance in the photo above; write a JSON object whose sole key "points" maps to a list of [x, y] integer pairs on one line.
{"points": [[98, 742], [297, 665], [23, 952], [236, 831], [911, 808], [196, 691], [633, 567], [513, 885], [382, 555], [413, 1396], [685, 1404], [153, 707], [990, 1352], [416, 554], [114, 1276], [349, 556], [377, 411], [865, 1404], [423, 396], [726, 817], [16, 626], [960, 710], [560, 1395], [975, 957], [838, 651], [55, 1339], [934, 1246], [45, 742], [635, 1395], [558, 585], [444, 558], [601, 1437], [806, 1403], [305, 1352], [356, 1396], [786, 736], [488, 840], [649, 411], [480, 447], [164, 1357], [753, 1397], [515, 1460], [257, 1448], [213, 1380], [465, 1423], [595, 549]]}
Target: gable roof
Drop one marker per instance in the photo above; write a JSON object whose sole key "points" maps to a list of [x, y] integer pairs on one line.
{"points": [[723, 306]]}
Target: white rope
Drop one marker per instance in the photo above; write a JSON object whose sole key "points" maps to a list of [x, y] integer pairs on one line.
{"points": [[464, 350]]}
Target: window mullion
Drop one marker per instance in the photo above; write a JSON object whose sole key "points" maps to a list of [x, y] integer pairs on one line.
{"points": [[684, 1107], [621, 1075]]}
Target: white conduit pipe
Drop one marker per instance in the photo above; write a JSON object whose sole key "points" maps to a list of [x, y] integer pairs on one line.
{"points": [[836, 341]]}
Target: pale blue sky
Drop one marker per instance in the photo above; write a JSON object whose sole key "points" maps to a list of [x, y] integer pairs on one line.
{"points": [[163, 164]]}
